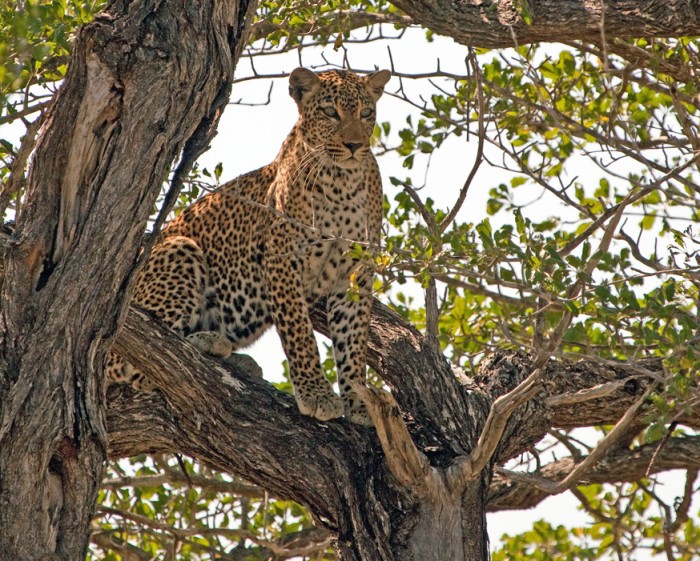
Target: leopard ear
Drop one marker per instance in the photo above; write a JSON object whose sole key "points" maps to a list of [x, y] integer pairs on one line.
{"points": [[302, 82], [376, 82]]}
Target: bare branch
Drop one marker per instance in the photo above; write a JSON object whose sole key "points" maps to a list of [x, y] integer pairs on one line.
{"points": [[22, 113], [408, 465], [343, 20], [479, 157], [596, 392], [586, 465], [467, 468], [111, 541], [683, 507], [15, 182], [215, 485]]}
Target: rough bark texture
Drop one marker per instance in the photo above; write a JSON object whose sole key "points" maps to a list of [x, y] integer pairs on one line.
{"points": [[146, 82], [338, 470], [144, 79], [621, 464], [502, 24]]}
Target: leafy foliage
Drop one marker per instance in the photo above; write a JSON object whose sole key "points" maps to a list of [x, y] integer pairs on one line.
{"points": [[587, 245]]}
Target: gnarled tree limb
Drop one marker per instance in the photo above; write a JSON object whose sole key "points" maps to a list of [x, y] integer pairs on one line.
{"points": [[478, 24]]}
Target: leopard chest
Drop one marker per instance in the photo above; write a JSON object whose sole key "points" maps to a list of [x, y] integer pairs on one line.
{"points": [[338, 218]]}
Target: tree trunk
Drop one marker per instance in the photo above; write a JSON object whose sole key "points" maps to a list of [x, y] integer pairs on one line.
{"points": [[145, 80]]}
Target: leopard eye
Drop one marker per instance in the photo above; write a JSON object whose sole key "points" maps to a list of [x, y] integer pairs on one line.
{"points": [[330, 112], [366, 113]]}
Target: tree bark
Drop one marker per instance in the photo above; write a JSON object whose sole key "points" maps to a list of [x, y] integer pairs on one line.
{"points": [[340, 471], [505, 23], [337, 469], [144, 81], [621, 464]]}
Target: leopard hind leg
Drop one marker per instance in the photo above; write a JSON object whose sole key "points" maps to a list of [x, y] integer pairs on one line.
{"points": [[174, 286]]}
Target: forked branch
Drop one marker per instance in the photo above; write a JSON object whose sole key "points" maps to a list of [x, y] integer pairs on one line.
{"points": [[469, 467]]}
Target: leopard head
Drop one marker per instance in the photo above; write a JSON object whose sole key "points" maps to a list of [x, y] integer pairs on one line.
{"points": [[337, 112]]}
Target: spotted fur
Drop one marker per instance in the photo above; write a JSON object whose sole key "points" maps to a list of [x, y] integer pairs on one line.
{"points": [[266, 246]]}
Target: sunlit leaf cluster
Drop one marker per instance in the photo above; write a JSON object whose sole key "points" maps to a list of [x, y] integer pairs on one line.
{"points": [[35, 40]]}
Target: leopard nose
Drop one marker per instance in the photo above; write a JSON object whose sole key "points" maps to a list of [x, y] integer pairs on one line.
{"points": [[352, 146]]}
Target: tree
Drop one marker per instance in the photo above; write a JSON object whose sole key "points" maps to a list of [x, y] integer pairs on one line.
{"points": [[571, 318]]}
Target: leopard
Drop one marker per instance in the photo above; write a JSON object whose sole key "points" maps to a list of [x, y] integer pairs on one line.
{"points": [[268, 246]]}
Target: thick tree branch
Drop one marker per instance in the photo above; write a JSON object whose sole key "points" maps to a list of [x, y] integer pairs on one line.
{"points": [[247, 402], [583, 467], [477, 24], [235, 422], [623, 384]]}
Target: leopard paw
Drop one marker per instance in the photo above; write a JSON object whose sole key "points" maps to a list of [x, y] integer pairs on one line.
{"points": [[358, 414], [323, 406], [355, 410]]}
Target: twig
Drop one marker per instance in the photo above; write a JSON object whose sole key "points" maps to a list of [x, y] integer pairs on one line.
{"points": [[596, 392], [160, 528], [683, 507], [663, 441], [15, 181], [352, 18], [24, 112], [109, 540], [432, 314], [589, 508], [479, 149], [634, 248], [424, 212], [195, 145], [174, 476]]}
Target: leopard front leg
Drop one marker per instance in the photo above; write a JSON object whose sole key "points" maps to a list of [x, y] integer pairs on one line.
{"points": [[313, 393], [349, 315]]}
